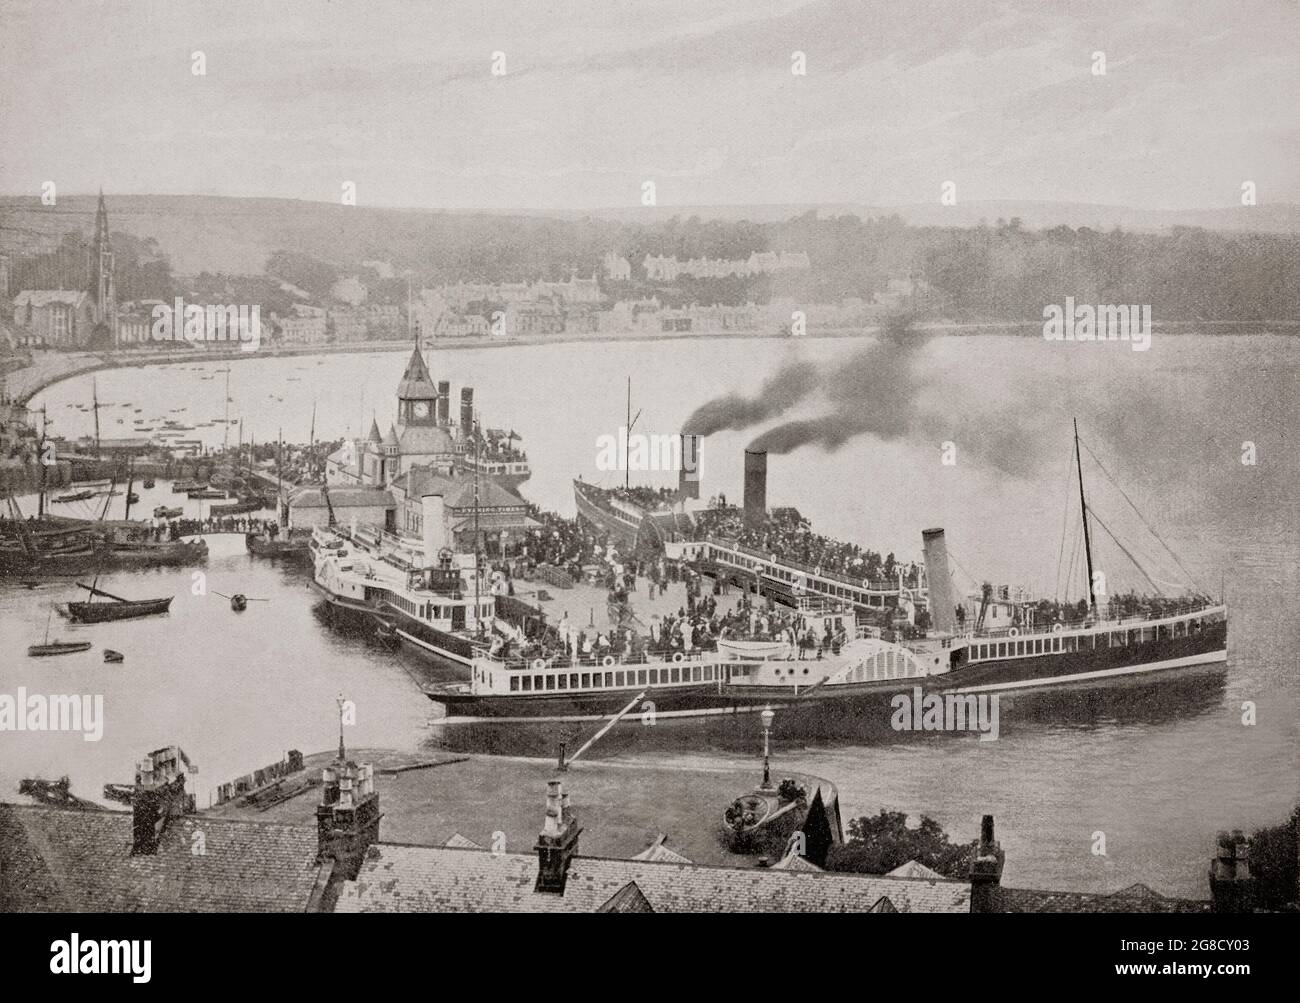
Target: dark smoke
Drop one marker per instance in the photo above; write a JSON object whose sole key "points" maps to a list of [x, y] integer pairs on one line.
{"points": [[871, 391], [734, 412], [883, 390]]}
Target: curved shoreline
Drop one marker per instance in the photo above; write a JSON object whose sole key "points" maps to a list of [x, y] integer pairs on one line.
{"points": [[81, 363]]}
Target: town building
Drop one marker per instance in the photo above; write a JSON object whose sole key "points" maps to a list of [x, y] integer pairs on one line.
{"points": [[53, 318], [617, 268], [310, 329], [486, 509]]}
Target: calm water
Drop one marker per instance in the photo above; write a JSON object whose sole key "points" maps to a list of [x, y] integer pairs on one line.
{"points": [[1157, 770]]}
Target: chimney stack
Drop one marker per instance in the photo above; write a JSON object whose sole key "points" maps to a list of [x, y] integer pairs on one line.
{"points": [[466, 410], [986, 870], [557, 843], [159, 796], [434, 526], [688, 478], [1232, 886], [755, 486], [943, 615], [444, 402], [347, 819]]}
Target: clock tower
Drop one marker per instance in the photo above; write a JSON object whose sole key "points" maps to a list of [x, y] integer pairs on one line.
{"points": [[417, 395]]}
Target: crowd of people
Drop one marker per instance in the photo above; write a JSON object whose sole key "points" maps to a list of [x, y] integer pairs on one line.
{"points": [[214, 524], [789, 536], [696, 626], [648, 498]]}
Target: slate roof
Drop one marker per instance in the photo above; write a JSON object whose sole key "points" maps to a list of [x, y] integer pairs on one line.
{"points": [[352, 497], [794, 862], [457, 492], [436, 879], [416, 381], [44, 297], [627, 899], [913, 869], [657, 852], [54, 859]]}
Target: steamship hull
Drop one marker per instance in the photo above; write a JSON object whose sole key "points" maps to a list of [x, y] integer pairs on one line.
{"points": [[868, 703], [626, 523], [394, 624]]}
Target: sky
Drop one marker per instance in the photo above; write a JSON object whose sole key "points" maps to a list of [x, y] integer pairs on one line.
{"points": [[998, 97]]}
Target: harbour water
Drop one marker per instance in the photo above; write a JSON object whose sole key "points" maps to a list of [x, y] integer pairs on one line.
{"points": [[1158, 771]]}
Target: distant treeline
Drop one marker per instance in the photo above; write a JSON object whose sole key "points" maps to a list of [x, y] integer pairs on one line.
{"points": [[988, 272], [999, 271], [140, 269]]}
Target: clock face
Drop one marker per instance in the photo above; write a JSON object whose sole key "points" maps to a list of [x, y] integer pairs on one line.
{"points": [[421, 409]]}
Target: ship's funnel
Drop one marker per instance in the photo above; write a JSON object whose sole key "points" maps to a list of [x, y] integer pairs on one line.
{"points": [[466, 410], [434, 528], [688, 477], [755, 486], [943, 615], [444, 402]]}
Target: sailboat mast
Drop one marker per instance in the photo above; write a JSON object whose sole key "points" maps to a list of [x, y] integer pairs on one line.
{"points": [[311, 446], [94, 397], [40, 499], [130, 483], [627, 433], [477, 573], [1083, 508], [225, 425]]}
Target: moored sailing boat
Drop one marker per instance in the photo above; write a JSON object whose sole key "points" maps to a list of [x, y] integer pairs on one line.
{"points": [[116, 609]]}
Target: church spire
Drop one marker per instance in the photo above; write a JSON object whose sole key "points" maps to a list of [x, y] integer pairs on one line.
{"points": [[102, 290]]}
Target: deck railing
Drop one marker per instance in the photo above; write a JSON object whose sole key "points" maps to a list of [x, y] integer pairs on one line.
{"points": [[1089, 622], [866, 584]]}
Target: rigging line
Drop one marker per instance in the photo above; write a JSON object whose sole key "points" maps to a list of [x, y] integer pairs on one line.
{"points": [[1074, 557], [1060, 552], [1141, 517], [963, 570], [1141, 570]]}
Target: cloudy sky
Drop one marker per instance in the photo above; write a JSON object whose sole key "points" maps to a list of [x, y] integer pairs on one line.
{"points": [[697, 95]]}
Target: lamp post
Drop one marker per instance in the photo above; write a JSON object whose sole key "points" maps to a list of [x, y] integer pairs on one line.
{"points": [[767, 715]]}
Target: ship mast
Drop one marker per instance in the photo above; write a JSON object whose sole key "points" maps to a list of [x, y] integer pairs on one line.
{"points": [[1083, 508], [225, 425], [311, 446], [477, 573], [40, 499], [94, 397]]}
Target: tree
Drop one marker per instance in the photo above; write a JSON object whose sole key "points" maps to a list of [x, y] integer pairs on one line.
{"points": [[879, 844], [1273, 863]]}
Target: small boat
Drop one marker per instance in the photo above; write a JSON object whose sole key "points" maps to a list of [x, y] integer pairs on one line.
{"points": [[57, 648], [163, 512], [205, 493], [113, 656], [185, 486], [76, 496], [132, 497], [118, 609], [239, 602], [148, 483]]}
